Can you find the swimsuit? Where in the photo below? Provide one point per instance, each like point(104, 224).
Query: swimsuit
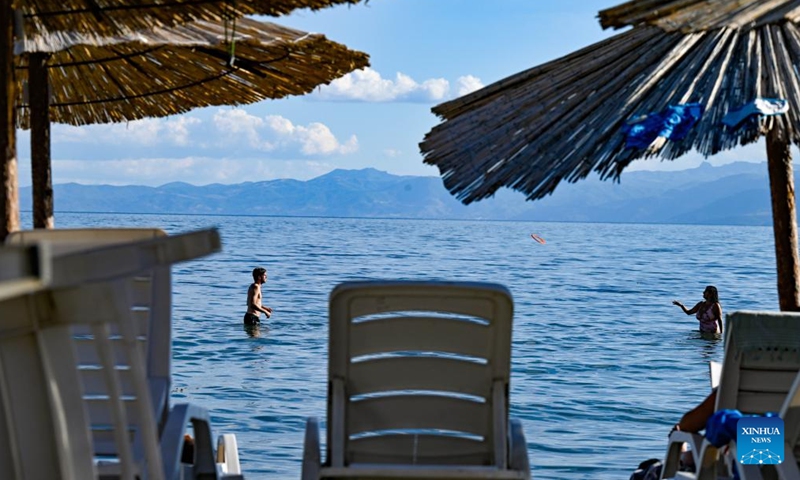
point(708, 324)
point(250, 319)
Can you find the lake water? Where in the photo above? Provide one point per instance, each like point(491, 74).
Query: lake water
point(603, 363)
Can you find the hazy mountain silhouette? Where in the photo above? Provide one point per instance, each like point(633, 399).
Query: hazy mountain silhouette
point(734, 194)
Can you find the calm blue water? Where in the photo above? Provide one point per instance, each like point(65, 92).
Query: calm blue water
point(603, 364)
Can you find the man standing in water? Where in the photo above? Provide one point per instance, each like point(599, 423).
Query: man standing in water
point(254, 308)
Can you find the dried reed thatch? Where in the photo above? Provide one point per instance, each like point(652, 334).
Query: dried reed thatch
point(563, 119)
point(111, 17)
point(172, 70)
point(697, 15)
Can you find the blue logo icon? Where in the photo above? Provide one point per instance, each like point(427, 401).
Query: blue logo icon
point(759, 440)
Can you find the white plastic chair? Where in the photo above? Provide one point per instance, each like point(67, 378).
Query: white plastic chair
point(714, 373)
point(418, 381)
point(788, 469)
point(790, 413)
point(113, 390)
point(152, 292)
point(762, 360)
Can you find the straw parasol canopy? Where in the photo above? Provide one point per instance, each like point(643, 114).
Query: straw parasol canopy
point(171, 70)
point(111, 17)
point(699, 15)
point(161, 72)
point(98, 18)
point(571, 116)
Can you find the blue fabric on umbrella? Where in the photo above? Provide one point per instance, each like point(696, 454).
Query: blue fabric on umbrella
point(673, 123)
point(759, 106)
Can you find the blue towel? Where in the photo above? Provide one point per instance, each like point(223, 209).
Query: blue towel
point(721, 427)
point(673, 123)
point(759, 106)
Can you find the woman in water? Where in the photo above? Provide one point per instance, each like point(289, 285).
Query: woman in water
point(709, 311)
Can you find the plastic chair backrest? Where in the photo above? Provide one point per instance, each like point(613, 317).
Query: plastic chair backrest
point(45, 429)
point(762, 359)
point(151, 306)
point(419, 373)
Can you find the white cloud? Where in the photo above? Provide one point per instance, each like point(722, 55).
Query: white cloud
point(280, 125)
point(178, 130)
point(275, 132)
point(144, 132)
point(147, 132)
point(368, 85)
point(437, 88)
point(392, 152)
point(468, 84)
point(236, 122)
point(230, 130)
point(317, 139)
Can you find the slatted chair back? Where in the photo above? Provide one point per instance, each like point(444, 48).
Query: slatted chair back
point(46, 432)
point(762, 359)
point(790, 413)
point(147, 335)
point(419, 373)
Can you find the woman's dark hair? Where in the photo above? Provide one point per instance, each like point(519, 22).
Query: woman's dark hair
point(712, 293)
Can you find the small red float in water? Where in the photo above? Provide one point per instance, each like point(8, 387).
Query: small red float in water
point(537, 238)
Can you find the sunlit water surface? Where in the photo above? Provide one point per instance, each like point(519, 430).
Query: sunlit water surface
point(602, 362)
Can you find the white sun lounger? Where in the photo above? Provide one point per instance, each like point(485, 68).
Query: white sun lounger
point(92, 286)
point(418, 381)
point(151, 309)
point(762, 360)
point(790, 412)
point(788, 469)
point(714, 373)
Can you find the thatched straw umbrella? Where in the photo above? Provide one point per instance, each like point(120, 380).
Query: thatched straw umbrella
point(161, 72)
point(103, 18)
point(113, 17)
point(566, 118)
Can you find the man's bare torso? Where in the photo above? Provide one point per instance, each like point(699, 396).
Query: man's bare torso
point(254, 298)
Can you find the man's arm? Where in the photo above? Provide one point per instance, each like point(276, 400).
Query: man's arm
point(267, 311)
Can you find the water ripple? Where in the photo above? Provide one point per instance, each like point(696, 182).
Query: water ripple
point(602, 362)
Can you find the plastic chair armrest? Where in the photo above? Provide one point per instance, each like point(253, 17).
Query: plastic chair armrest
point(311, 450)
point(672, 459)
point(518, 448)
point(228, 454)
point(172, 441)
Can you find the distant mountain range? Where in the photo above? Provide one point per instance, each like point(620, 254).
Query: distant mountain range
point(733, 194)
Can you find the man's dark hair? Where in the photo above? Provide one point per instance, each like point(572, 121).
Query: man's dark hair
point(257, 272)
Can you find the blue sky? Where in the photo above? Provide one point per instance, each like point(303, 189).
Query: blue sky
point(422, 52)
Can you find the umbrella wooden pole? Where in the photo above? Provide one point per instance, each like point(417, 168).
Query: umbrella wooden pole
point(784, 220)
point(41, 173)
point(9, 196)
